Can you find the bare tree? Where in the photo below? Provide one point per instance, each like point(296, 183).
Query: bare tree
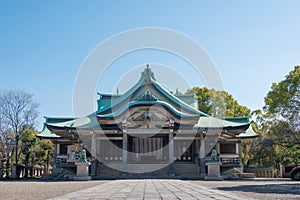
point(6, 151)
point(17, 111)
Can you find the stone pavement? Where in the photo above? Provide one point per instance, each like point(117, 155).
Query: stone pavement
point(150, 189)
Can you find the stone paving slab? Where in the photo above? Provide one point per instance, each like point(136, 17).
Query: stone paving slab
point(150, 189)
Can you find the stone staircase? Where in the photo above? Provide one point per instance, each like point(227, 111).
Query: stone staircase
point(59, 174)
point(186, 170)
point(105, 171)
point(134, 170)
point(237, 173)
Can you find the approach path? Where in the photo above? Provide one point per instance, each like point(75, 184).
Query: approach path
point(150, 189)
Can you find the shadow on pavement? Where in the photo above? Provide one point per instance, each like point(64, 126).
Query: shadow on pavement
point(293, 189)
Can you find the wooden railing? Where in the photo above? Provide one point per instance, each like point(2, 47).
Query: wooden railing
point(228, 160)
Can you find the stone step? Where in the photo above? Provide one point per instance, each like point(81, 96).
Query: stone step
point(183, 169)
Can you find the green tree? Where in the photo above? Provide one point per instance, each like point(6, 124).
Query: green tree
point(218, 103)
point(44, 153)
point(279, 125)
point(250, 147)
point(28, 141)
point(282, 107)
point(283, 101)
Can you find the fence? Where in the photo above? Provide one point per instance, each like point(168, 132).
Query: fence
point(18, 171)
point(262, 172)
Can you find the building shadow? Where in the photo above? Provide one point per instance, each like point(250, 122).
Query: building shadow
point(293, 189)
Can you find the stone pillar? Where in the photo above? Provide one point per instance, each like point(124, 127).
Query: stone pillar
point(124, 148)
point(14, 172)
point(213, 171)
point(171, 148)
point(281, 175)
point(82, 173)
point(202, 156)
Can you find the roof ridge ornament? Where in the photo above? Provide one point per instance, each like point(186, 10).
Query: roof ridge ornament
point(148, 75)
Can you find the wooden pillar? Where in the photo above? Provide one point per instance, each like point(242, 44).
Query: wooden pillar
point(55, 153)
point(93, 145)
point(124, 148)
point(218, 147)
point(171, 148)
point(202, 155)
point(239, 152)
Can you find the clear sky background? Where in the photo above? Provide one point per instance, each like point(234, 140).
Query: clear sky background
point(43, 44)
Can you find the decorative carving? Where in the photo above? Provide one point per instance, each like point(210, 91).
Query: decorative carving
point(147, 97)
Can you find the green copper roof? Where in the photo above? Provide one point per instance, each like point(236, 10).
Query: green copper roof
point(147, 83)
point(205, 123)
point(58, 119)
point(46, 133)
point(136, 103)
point(177, 101)
point(238, 119)
point(212, 122)
point(249, 133)
point(105, 99)
point(88, 122)
point(187, 98)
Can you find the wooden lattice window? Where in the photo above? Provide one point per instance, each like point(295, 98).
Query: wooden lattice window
point(229, 148)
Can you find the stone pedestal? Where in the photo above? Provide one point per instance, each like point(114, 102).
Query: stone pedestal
point(82, 171)
point(213, 171)
point(14, 172)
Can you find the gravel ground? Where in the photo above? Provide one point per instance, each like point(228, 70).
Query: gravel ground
point(258, 188)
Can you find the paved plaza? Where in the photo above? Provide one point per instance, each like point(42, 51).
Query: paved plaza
point(150, 189)
point(258, 188)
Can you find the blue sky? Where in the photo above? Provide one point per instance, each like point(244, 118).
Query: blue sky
point(43, 43)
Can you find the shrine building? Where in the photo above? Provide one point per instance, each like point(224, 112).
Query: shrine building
point(147, 131)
